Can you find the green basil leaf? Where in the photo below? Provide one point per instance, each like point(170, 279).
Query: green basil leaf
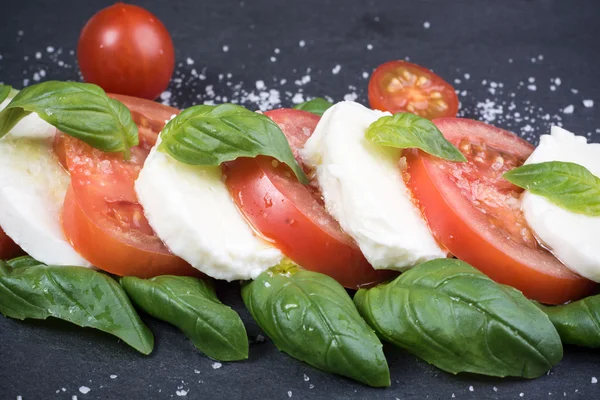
point(568, 185)
point(454, 317)
point(81, 110)
point(311, 317)
point(5, 91)
point(578, 322)
point(23, 261)
point(192, 305)
point(316, 106)
point(211, 135)
point(406, 131)
point(79, 295)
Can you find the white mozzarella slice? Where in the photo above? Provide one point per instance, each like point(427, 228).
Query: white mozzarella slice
point(572, 238)
point(32, 126)
point(363, 189)
point(32, 190)
point(191, 211)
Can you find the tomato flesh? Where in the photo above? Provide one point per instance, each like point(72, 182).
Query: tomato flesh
point(8, 248)
point(476, 215)
point(400, 86)
point(292, 215)
point(102, 217)
point(126, 49)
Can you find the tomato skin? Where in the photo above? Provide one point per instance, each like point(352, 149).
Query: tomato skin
point(8, 248)
point(287, 213)
point(400, 86)
point(101, 215)
point(126, 49)
point(456, 224)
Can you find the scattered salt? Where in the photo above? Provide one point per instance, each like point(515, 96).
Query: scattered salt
point(181, 392)
point(533, 88)
point(189, 61)
point(365, 75)
point(306, 378)
point(50, 49)
point(594, 379)
point(369, 46)
point(225, 48)
point(113, 376)
point(557, 81)
point(471, 389)
point(273, 59)
point(588, 103)
point(276, 51)
point(521, 394)
point(289, 393)
point(426, 25)
point(336, 69)
point(217, 365)
point(495, 389)
point(569, 109)
point(302, 43)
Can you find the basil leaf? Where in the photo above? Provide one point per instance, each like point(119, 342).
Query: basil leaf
point(316, 106)
point(81, 110)
point(454, 317)
point(4, 92)
point(406, 131)
point(211, 135)
point(79, 295)
point(568, 185)
point(578, 322)
point(192, 305)
point(23, 261)
point(311, 317)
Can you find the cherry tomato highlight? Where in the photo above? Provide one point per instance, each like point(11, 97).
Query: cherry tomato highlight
point(126, 49)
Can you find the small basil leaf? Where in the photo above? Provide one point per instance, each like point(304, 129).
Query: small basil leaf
point(23, 261)
point(406, 131)
point(316, 106)
point(5, 91)
point(578, 322)
point(81, 110)
point(211, 135)
point(568, 185)
point(79, 295)
point(192, 305)
point(454, 317)
point(311, 317)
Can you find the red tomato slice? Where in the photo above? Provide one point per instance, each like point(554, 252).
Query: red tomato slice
point(126, 49)
point(400, 86)
point(474, 212)
point(101, 216)
point(8, 248)
point(292, 215)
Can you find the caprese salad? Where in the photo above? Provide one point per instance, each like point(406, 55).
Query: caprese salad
point(301, 204)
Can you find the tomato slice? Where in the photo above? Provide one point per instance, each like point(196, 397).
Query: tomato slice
point(8, 248)
point(400, 86)
point(474, 212)
point(292, 215)
point(102, 217)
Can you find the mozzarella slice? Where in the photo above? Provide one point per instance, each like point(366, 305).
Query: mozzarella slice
point(364, 191)
point(32, 191)
point(191, 211)
point(32, 126)
point(572, 238)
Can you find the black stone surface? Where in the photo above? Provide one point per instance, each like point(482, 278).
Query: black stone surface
point(50, 359)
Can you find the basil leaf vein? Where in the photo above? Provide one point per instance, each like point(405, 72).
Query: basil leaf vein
point(81, 110)
point(192, 305)
point(578, 322)
point(406, 130)
point(211, 135)
point(454, 317)
point(311, 317)
point(317, 106)
point(78, 295)
point(568, 185)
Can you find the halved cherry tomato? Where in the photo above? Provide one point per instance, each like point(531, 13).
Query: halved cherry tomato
point(101, 216)
point(126, 49)
point(8, 248)
point(474, 212)
point(400, 86)
point(292, 215)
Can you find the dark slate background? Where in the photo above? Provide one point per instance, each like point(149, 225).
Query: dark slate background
point(488, 40)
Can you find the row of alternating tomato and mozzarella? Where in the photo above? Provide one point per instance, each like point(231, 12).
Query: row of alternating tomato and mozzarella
point(197, 216)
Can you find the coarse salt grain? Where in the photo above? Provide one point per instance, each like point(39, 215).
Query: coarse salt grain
point(336, 69)
point(426, 25)
point(289, 393)
point(302, 43)
point(181, 392)
point(189, 61)
point(84, 389)
point(365, 75)
point(569, 109)
point(225, 48)
point(588, 103)
point(594, 379)
point(217, 365)
point(369, 46)
point(471, 389)
point(113, 376)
